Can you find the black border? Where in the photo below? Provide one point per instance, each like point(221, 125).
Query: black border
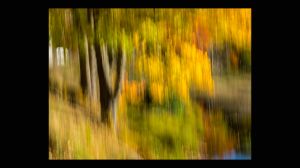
point(37, 32)
point(150, 4)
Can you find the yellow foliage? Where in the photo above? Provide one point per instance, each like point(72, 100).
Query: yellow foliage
point(155, 68)
point(233, 25)
point(136, 40)
point(188, 63)
point(182, 42)
point(198, 68)
point(157, 92)
point(174, 68)
point(183, 90)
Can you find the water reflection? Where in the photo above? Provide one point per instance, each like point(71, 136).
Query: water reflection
point(233, 155)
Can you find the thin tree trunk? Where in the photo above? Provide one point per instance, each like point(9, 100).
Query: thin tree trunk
point(93, 73)
point(54, 58)
point(65, 57)
point(92, 55)
point(114, 110)
point(121, 62)
point(88, 69)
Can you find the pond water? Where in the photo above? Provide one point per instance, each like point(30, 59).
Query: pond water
point(233, 155)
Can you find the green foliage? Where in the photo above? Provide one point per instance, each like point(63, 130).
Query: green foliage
point(169, 136)
point(245, 60)
point(176, 105)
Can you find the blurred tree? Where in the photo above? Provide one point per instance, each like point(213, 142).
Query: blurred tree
point(93, 55)
point(166, 48)
point(109, 91)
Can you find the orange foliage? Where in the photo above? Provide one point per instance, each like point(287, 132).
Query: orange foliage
point(234, 60)
point(135, 91)
point(201, 37)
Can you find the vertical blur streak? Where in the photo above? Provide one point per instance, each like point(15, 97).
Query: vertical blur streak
point(184, 91)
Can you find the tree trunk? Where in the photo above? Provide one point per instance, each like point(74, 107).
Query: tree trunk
point(114, 111)
point(104, 84)
point(66, 53)
point(88, 63)
point(54, 58)
point(108, 94)
point(121, 62)
point(93, 73)
point(82, 64)
point(92, 54)
point(103, 72)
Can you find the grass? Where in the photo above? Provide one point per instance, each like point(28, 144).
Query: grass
point(145, 133)
point(169, 131)
point(72, 135)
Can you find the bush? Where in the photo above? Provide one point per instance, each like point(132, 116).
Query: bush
point(168, 135)
point(245, 61)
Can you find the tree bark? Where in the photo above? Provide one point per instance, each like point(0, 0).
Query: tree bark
point(103, 70)
point(108, 94)
point(88, 67)
point(82, 66)
point(104, 84)
point(93, 73)
point(92, 56)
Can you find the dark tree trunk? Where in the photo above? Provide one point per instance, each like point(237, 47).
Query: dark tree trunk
point(109, 95)
point(82, 64)
point(105, 94)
